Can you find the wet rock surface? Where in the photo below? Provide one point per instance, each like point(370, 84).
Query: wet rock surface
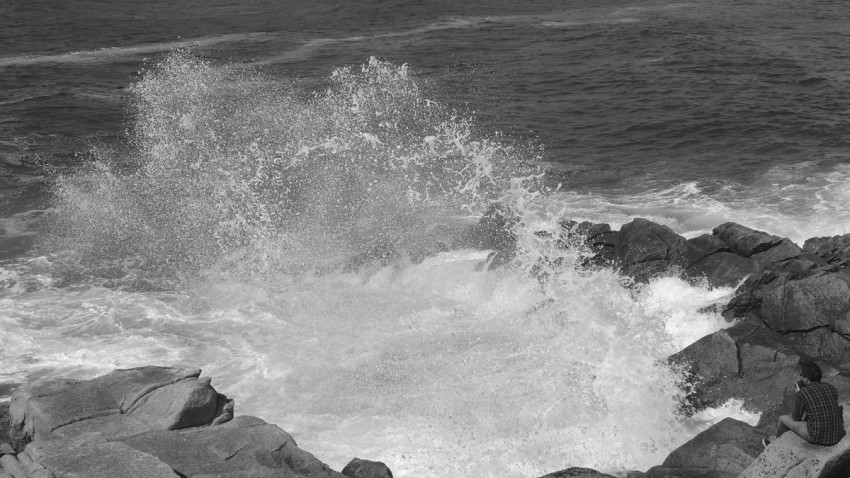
point(722, 451)
point(358, 468)
point(790, 304)
point(149, 422)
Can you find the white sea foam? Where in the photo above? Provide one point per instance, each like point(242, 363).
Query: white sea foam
point(798, 202)
point(120, 53)
point(552, 20)
point(732, 408)
point(20, 224)
point(439, 369)
point(221, 243)
point(309, 47)
point(685, 309)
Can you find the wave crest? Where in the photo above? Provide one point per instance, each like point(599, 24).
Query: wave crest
point(223, 159)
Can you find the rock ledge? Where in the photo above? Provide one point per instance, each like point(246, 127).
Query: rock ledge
point(150, 422)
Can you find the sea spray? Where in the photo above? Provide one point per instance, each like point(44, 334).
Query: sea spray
point(220, 241)
point(223, 159)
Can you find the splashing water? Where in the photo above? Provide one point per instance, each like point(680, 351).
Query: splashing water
point(224, 159)
point(237, 202)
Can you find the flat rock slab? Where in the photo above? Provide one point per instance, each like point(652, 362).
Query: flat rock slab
point(98, 460)
point(121, 403)
point(246, 447)
point(789, 456)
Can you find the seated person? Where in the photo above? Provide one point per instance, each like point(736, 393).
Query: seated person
point(817, 417)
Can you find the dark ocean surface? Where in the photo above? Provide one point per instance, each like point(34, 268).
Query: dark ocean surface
point(181, 182)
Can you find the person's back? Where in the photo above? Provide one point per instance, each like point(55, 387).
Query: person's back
point(817, 417)
point(824, 420)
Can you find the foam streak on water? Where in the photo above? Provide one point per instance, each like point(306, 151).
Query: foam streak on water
point(223, 236)
point(113, 53)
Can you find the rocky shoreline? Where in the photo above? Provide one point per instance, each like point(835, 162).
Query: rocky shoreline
point(792, 303)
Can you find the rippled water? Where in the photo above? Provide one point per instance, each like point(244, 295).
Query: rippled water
point(193, 184)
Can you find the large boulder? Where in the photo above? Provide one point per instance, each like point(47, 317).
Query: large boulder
point(245, 446)
point(715, 263)
point(811, 309)
point(722, 451)
point(122, 403)
point(358, 468)
point(645, 249)
point(153, 422)
point(642, 250)
point(778, 254)
point(576, 472)
point(722, 269)
point(745, 241)
point(745, 361)
point(823, 343)
point(749, 296)
point(821, 300)
point(834, 250)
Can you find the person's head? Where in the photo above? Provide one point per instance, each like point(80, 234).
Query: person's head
point(810, 371)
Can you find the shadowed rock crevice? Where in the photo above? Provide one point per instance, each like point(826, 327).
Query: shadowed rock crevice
point(738, 354)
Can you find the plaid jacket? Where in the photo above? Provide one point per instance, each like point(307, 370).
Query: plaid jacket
point(824, 421)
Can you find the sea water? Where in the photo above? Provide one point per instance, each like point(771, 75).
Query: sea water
point(220, 241)
point(209, 207)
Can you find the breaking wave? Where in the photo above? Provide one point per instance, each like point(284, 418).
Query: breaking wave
point(228, 234)
point(225, 160)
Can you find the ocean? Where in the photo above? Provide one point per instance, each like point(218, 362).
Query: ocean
point(268, 191)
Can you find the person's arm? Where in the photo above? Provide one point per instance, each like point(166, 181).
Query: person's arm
point(799, 407)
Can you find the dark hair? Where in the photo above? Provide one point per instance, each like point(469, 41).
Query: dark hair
point(811, 371)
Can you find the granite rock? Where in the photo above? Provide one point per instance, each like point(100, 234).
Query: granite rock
point(96, 459)
point(122, 403)
point(743, 240)
point(821, 300)
point(645, 249)
point(358, 468)
point(576, 472)
point(153, 422)
point(834, 250)
point(722, 451)
point(745, 361)
point(789, 456)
